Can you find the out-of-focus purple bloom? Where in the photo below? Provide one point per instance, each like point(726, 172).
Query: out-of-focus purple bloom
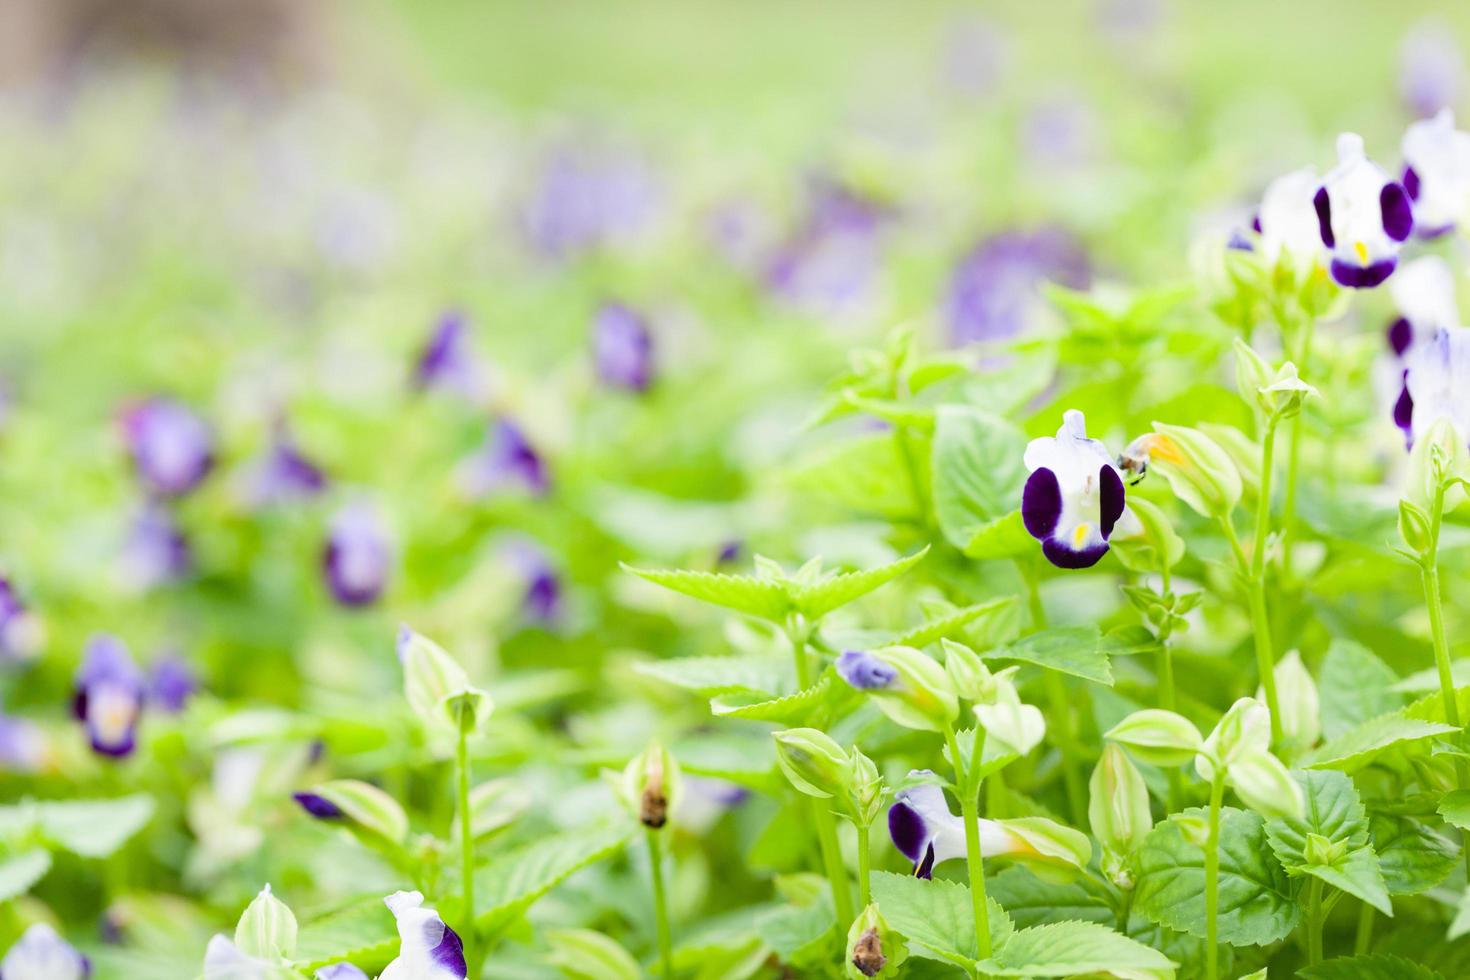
point(172, 448)
point(589, 198)
point(864, 671)
point(22, 745)
point(1061, 132)
point(109, 696)
point(340, 971)
point(1363, 215)
point(427, 948)
point(172, 683)
point(623, 347)
point(976, 53)
point(318, 806)
point(1431, 68)
point(729, 552)
point(156, 551)
point(284, 474)
point(447, 361)
point(1437, 173)
point(830, 267)
point(21, 633)
point(542, 601)
point(358, 556)
point(507, 461)
point(995, 291)
point(41, 954)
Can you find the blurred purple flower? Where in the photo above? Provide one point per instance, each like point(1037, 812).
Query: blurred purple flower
point(995, 291)
point(283, 473)
point(729, 552)
point(542, 601)
point(109, 696)
point(623, 347)
point(1061, 131)
point(448, 362)
point(358, 556)
point(977, 51)
point(588, 198)
point(318, 806)
point(172, 683)
point(1431, 68)
point(830, 267)
point(22, 745)
point(41, 954)
point(156, 551)
point(21, 634)
point(506, 461)
point(172, 448)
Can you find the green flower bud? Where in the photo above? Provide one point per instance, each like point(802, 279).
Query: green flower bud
point(267, 929)
point(1199, 471)
point(1264, 785)
point(1437, 458)
point(1049, 849)
point(1416, 528)
point(1251, 373)
point(362, 806)
point(1159, 737)
point(1244, 731)
point(867, 791)
point(1018, 727)
point(1194, 828)
point(968, 675)
point(1296, 695)
point(1147, 543)
point(1118, 809)
point(920, 695)
point(814, 764)
point(431, 677)
point(873, 949)
point(1323, 851)
point(1244, 451)
point(651, 784)
point(1283, 397)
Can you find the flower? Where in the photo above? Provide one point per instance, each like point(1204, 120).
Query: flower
point(156, 551)
point(447, 361)
point(223, 960)
point(22, 745)
point(172, 683)
point(1074, 496)
point(1437, 173)
point(339, 971)
point(927, 833)
point(1363, 217)
point(358, 556)
point(427, 948)
point(283, 474)
point(623, 347)
point(589, 197)
point(506, 461)
point(1431, 68)
point(41, 954)
point(865, 671)
point(109, 696)
point(543, 600)
point(995, 290)
point(1424, 293)
point(1437, 385)
point(830, 266)
point(1287, 221)
point(172, 448)
point(21, 632)
point(317, 805)
point(909, 686)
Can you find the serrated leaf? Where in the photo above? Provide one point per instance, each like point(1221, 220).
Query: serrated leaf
point(820, 598)
point(1003, 537)
point(513, 882)
point(978, 470)
point(1354, 687)
point(799, 934)
point(865, 474)
point(590, 955)
point(762, 598)
point(936, 916)
point(990, 616)
point(709, 676)
point(362, 933)
point(1332, 810)
point(1363, 743)
point(1454, 807)
point(807, 707)
point(19, 872)
point(1413, 857)
point(1064, 949)
point(1032, 901)
point(94, 828)
point(1075, 650)
point(1357, 873)
point(1256, 906)
point(1373, 967)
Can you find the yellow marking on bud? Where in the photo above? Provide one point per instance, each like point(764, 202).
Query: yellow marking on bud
point(1362, 251)
point(1162, 447)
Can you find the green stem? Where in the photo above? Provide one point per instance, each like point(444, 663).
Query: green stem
point(832, 861)
point(660, 902)
point(1212, 878)
point(1064, 733)
point(1314, 922)
point(968, 808)
point(1125, 910)
point(466, 842)
point(1260, 625)
point(1434, 599)
point(865, 887)
point(1293, 457)
point(799, 655)
point(1364, 941)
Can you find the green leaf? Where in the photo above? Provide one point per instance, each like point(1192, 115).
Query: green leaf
point(18, 872)
point(1332, 810)
point(1461, 923)
point(362, 933)
point(1454, 807)
point(94, 828)
point(1032, 901)
point(1003, 537)
point(1374, 967)
point(1413, 857)
point(800, 934)
point(1354, 687)
point(587, 954)
point(1365, 742)
point(709, 676)
point(1064, 949)
point(1357, 873)
point(821, 700)
point(513, 882)
point(991, 616)
point(763, 598)
point(1256, 904)
point(820, 598)
point(865, 475)
point(936, 916)
point(1076, 650)
point(978, 470)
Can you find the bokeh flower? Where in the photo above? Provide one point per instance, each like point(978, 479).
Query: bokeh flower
point(172, 448)
point(358, 556)
point(110, 690)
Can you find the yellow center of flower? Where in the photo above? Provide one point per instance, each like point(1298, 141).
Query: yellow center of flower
point(1362, 251)
point(1080, 535)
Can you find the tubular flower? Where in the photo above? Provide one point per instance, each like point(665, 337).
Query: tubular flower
point(1437, 385)
point(927, 833)
point(41, 954)
point(283, 473)
point(995, 290)
point(543, 601)
point(622, 346)
point(1363, 217)
point(1437, 173)
point(172, 448)
point(428, 949)
point(1287, 221)
point(1424, 293)
point(358, 556)
point(447, 363)
point(172, 683)
point(1074, 496)
point(156, 551)
point(506, 461)
point(109, 696)
point(21, 632)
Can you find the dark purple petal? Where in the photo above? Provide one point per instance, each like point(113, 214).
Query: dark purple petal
point(623, 347)
point(925, 867)
point(729, 551)
point(542, 601)
point(1041, 503)
point(1256, 223)
point(1110, 486)
point(449, 953)
point(1400, 336)
point(1060, 555)
point(318, 806)
point(1411, 183)
point(909, 832)
point(444, 355)
point(865, 671)
point(1403, 415)
point(1398, 213)
point(172, 448)
point(1362, 276)
point(173, 683)
point(1323, 204)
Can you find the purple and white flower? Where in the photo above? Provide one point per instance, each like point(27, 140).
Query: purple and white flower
point(1431, 68)
point(588, 197)
point(339, 971)
point(156, 551)
point(927, 833)
point(172, 448)
point(1437, 385)
point(1363, 217)
point(41, 954)
point(995, 290)
point(622, 345)
point(223, 960)
point(358, 556)
point(22, 745)
point(109, 696)
point(507, 461)
point(283, 473)
point(1074, 496)
point(830, 267)
point(1287, 221)
point(21, 632)
point(172, 683)
point(448, 363)
point(1437, 173)
point(428, 949)
point(543, 600)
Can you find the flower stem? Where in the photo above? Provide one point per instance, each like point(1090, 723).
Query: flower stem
point(1364, 941)
point(1060, 706)
point(865, 891)
point(1212, 878)
point(660, 902)
point(1433, 598)
point(1314, 922)
point(1260, 624)
point(969, 796)
point(832, 860)
point(466, 835)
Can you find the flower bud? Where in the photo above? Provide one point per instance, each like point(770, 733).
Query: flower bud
point(1018, 727)
point(1158, 737)
point(1251, 374)
point(815, 765)
point(1118, 809)
point(1415, 528)
point(968, 675)
point(267, 929)
point(1321, 850)
point(431, 678)
point(1147, 542)
point(1264, 785)
point(1244, 451)
point(650, 785)
point(873, 949)
point(1199, 471)
point(867, 789)
point(1244, 731)
point(467, 709)
point(1193, 827)
point(1283, 397)
point(1438, 457)
point(361, 805)
point(910, 687)
point(1296, 695)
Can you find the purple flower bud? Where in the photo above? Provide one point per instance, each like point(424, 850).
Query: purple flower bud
point(995, 290)
point(109, 696)
point(507, 461)
point(172, 448)
point(318, 806)
point(172, 683)
point(156, 551)
point(865, 671)
point(283, 474)
point(623, 347)
point(21, 633)
point(358, 556)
